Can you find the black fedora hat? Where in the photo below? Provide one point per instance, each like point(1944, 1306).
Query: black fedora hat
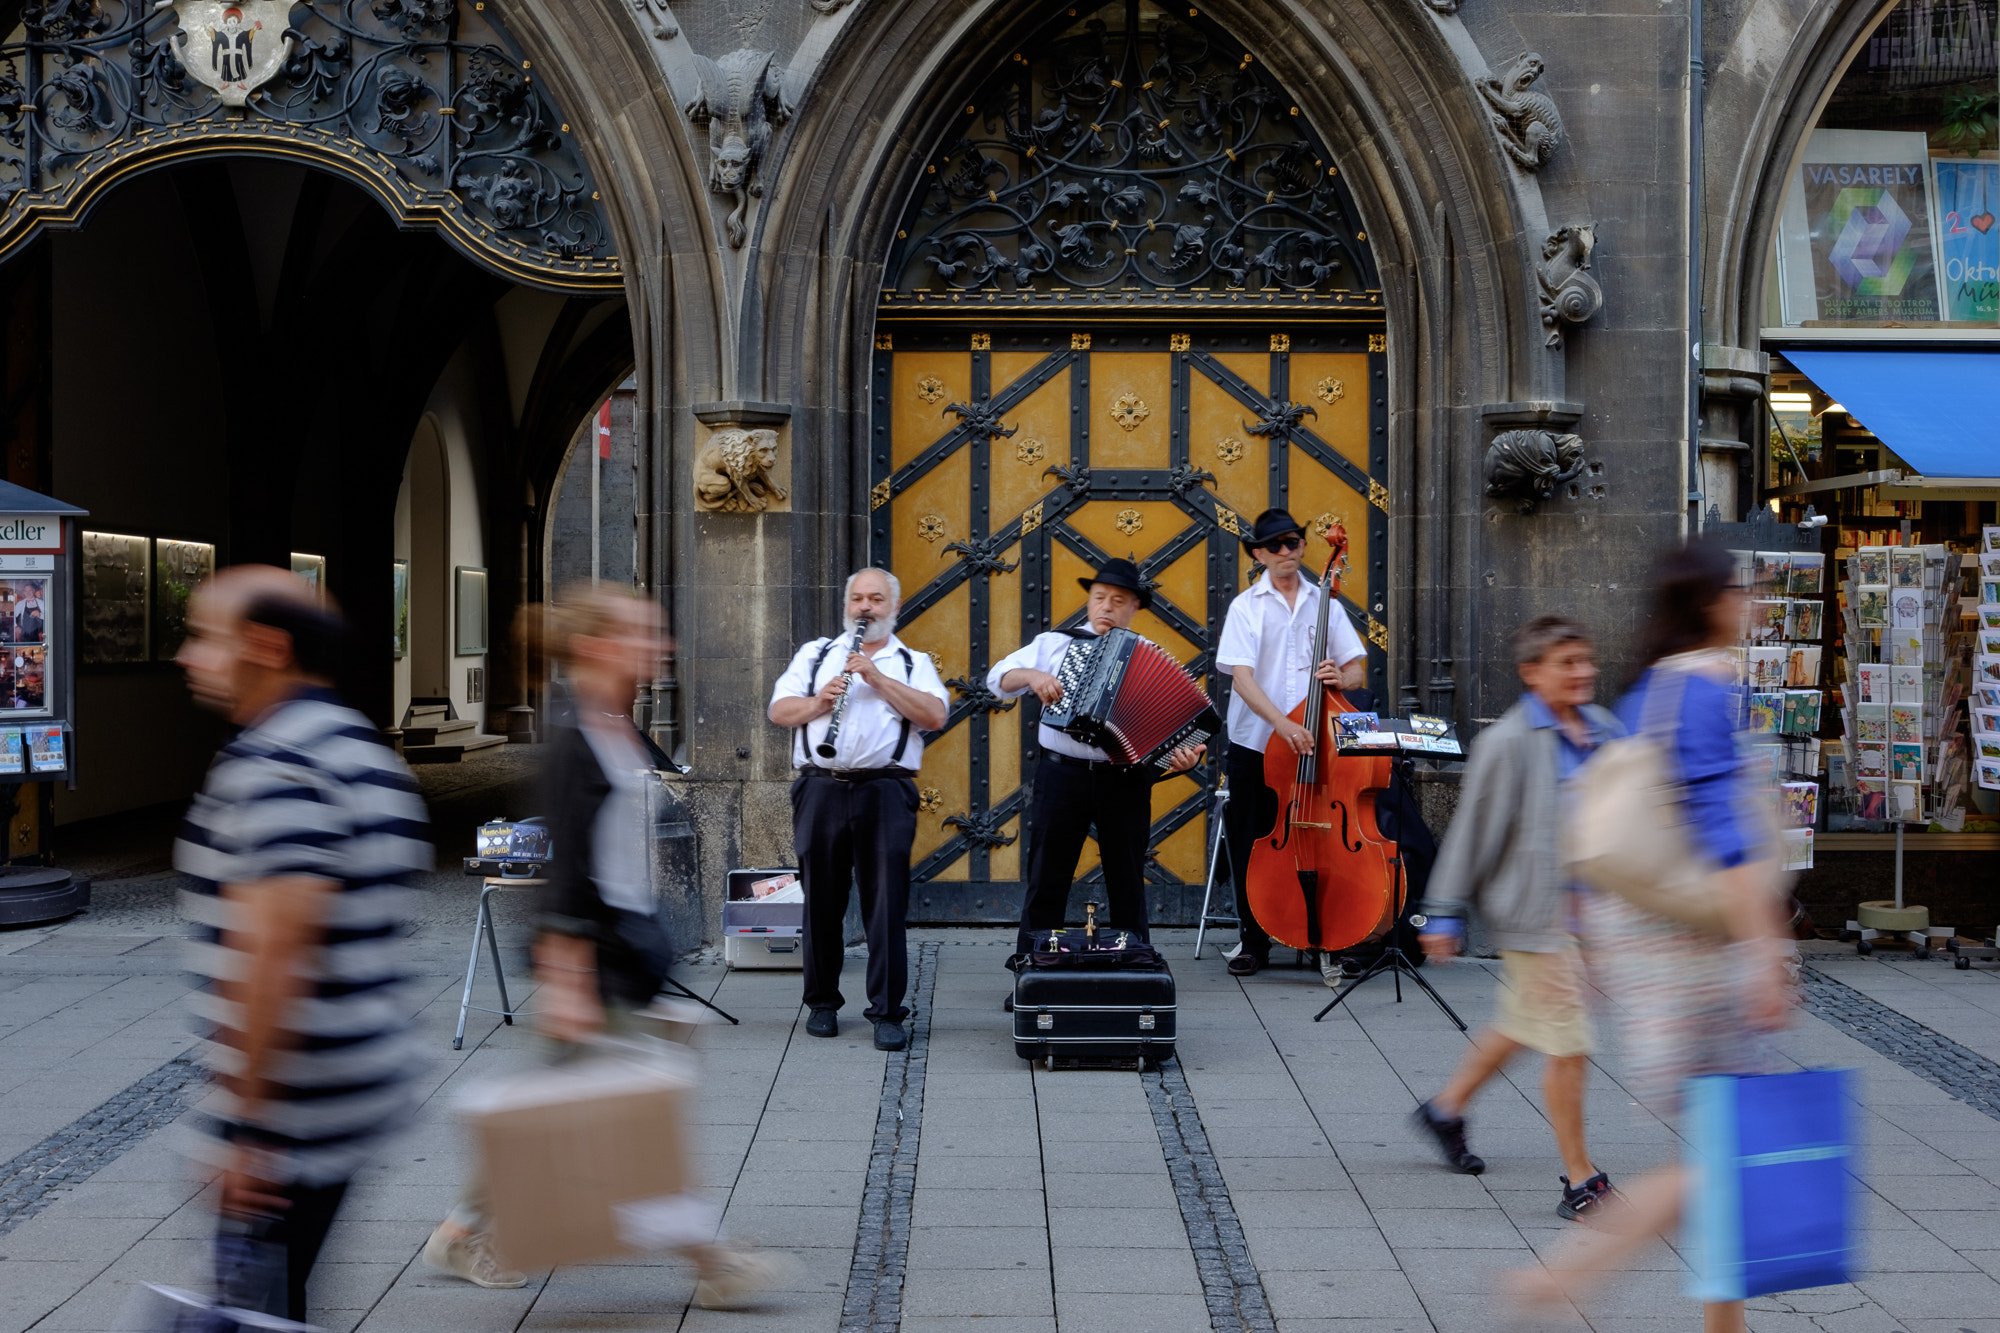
point(1124, 574)
point(1270, 525)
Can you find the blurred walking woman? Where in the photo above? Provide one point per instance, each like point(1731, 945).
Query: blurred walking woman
point(600, 951)
point(1690, 1004)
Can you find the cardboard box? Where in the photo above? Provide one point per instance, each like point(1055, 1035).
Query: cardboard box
point(588, 1158)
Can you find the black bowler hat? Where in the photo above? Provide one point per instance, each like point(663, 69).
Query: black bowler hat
point(1121, 574)
point(1271, 525)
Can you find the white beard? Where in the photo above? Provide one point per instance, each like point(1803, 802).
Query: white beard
point(879, 629)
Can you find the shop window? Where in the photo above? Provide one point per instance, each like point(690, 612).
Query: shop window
point(113, 623)
point(178, 569)
point(1892, 218)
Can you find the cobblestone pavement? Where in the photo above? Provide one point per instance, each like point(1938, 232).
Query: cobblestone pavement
point(1268, 1181)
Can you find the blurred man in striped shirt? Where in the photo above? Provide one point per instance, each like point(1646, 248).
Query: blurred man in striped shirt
point(303, 844)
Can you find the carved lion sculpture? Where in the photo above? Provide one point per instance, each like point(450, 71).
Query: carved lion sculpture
point(732, 474)
point(1526, 121)
point(1528, 465)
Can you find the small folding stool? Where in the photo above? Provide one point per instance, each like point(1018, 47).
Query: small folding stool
point(482, 931)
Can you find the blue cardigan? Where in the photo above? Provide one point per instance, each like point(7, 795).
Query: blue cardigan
point(1705, 747)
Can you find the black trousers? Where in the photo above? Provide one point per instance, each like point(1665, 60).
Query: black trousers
point(299, 1231)
point(845, 831)
point(1068, 800)
point(1253, 810)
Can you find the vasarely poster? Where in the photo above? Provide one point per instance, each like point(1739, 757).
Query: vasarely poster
point(1856, 242)
point(1968, 197)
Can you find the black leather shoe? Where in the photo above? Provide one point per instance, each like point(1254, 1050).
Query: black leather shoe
point(890, 1036)
point(1007, 1005)
point(1245, 964)
point(823, 1023)
point(1450, 1136)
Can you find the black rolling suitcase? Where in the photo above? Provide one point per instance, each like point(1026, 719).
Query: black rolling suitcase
point(1102, 1001)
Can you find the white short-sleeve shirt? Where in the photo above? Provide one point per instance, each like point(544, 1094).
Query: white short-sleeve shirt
point(1275, 642)
point(870, 729)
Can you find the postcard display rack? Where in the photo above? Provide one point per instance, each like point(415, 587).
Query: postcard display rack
point(1781, 658)
point(38, 544)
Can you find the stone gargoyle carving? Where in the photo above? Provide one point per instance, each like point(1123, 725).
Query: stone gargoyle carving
point(1526, 121)
point(742, 100)
point(1569, 294)
point(733, 473)
point(1527, 465)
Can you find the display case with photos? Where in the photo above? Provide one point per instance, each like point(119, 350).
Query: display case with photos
point(27, 587)
point(179, 567)
point(113, 599)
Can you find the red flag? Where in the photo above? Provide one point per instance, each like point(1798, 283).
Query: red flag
point(604, 429)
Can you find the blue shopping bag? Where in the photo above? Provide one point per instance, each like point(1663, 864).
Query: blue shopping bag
point(1771, 1203)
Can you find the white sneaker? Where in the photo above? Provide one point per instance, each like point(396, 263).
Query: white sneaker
point(471, 1257)
point(739, 1277)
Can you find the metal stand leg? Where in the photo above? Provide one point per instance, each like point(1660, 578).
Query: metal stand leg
point(471, 970)
point(681, 990)
point(1217, 805)
point(499, 972)
point(1396, 963)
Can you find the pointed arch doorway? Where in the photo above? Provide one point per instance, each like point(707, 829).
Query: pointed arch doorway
point(1131, 305)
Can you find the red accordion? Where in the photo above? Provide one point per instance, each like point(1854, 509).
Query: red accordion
point(1129, 698)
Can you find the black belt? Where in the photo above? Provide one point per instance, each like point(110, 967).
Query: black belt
point(1074, 762)
point(855, 774)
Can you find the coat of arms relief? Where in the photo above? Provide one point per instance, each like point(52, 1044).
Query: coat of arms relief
point(234, 47)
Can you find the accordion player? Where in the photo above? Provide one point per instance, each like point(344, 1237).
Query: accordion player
point(1119, 742)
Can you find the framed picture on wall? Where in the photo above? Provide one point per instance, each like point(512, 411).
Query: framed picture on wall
point(178, 569)
point(399, 609)
point(311, 568)
point(469, 602)
point(113, 598)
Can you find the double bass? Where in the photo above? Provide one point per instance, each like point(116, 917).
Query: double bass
point(1324, 877)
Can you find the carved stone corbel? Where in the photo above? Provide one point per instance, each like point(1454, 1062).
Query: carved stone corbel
point(1526, 466)
point(742, 101)
point(1526, 121)
point(658, 18)
point(741, 468)
point(1569, 294)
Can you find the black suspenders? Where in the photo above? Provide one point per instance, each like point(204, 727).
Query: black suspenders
point(909, 678)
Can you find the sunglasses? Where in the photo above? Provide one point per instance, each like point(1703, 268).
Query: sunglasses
point(1281, 545)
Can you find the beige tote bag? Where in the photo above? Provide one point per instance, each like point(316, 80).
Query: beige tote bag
point(1627, 831)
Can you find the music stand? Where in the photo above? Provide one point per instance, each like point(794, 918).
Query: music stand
point(1218, 803)
point(1393, 960)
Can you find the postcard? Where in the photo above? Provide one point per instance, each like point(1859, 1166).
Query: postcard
point(1745, 567)
point(1991, 533)
point(1988, 747)
point(1871, 682)
point(1906, 723)
point(1986, 669)
point(1767, 714)
point(1802, 667)
point(1795, 850)
point(1906, 801)
point(45, 750)
point(1903, 649)
point(1988, 642)
point(1989, 615)
point(1808, 572)
point(1808, 620)
point(1871, 761)
point(1871, 722)
point(1770, 572)
point(1871, 798)
point(1801, 712)
point(12, 751)
point(1986, 721)
point(1906, 763)
point(1906, 568)
point(1353, 724)
point(1768, 666)
point(1989, 775)
point(1906, 684)
point(1871, 605)
point(1986, 696)
point(1906, 610)
point(1429, 726)
point(1801, 803)
point(1767, 620)
point(1989, 566)
point(1870, 564)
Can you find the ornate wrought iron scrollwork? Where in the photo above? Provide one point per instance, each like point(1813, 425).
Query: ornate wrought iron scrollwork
point(426, 103)
point(1187, 477)
point(1133, 153)
point(981, 830)
point(973, 694)
point(1076, 478)
point(985, 557)
point(1277, 419)
point(982, 418)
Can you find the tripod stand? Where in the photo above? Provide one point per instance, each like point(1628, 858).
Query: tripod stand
point(1217, 845)
point(683, 991)
point(1393, 960)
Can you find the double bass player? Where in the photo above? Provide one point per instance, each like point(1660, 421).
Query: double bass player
point(1266, 648)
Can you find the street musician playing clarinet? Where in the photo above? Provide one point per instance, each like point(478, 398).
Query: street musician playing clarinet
point(859, 705)
point(1078, 786)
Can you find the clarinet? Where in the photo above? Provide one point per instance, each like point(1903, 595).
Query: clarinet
point(826, 744)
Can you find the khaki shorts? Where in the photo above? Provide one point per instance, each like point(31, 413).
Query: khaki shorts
point(1541, 1001)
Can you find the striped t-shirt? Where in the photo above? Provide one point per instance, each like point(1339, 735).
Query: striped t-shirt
point(309, 789)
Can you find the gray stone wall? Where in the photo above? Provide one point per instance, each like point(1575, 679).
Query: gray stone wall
point(569, 528)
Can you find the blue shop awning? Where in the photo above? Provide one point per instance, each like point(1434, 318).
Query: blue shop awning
point(1937, 411)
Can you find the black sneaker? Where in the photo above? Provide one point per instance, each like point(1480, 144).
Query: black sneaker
point(1247, 964)
point(823, 1023)
point(1450, 1136)
point(890, 1036)
point(1591, 1203)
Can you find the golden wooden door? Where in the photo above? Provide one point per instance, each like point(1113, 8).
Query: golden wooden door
point(1007, 466)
